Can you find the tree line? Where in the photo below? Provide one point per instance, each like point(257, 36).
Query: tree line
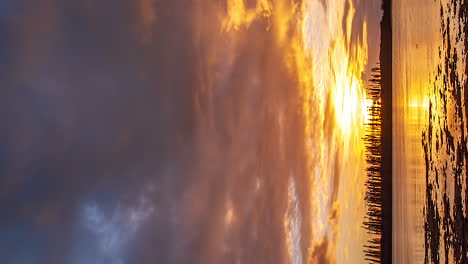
point(373, 145)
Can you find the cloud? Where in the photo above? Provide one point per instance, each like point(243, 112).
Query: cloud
point(324, 250)
point(102, 99)
point(334, 219)
point(321, 253)
point(147, 15)
point(113, 232)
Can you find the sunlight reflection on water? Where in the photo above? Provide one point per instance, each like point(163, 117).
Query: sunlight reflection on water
point(415, 42)
point(424, 91)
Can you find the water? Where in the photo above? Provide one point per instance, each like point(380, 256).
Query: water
point(415, 35)
point(420, 98)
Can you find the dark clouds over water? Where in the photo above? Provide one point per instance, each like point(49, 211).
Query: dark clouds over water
point(138, 132)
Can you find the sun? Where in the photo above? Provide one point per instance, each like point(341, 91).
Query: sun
point(366, 114)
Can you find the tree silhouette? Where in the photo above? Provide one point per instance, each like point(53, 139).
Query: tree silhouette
point(373, 144)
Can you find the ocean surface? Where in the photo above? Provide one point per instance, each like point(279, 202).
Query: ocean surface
point(429, 131)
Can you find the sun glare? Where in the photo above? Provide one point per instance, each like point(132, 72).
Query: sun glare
point(328, 60)
point(366, 115)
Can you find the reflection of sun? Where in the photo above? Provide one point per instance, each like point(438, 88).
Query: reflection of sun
point(424, 104)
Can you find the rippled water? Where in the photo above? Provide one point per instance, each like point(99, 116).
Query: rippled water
point(428, 128)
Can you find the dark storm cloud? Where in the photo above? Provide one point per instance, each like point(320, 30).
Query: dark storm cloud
point(130, 128)
point(90, 111)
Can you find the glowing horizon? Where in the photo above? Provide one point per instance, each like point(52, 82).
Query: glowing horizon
point(329, 67)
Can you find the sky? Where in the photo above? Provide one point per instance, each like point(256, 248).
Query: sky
point(183, 131)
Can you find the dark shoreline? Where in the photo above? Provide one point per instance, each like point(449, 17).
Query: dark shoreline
point(386, 170)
